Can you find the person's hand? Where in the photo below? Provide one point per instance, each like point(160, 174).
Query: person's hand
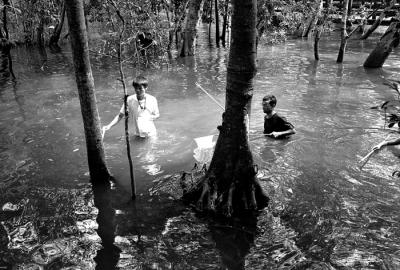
point(379, 146)
point(103, 130)
point(273, 134)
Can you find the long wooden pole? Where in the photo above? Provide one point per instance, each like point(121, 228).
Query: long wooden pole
point(122, 79)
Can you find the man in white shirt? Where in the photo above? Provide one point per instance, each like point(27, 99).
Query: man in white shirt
point(142, 108)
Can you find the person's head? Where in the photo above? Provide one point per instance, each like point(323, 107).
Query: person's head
point(140, 84)
point(268, 103)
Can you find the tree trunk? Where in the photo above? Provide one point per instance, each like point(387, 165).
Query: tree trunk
point(388, 41)
point(350, 8)
point(55, 37)
point(84, 80)
point(343, 33)
point(190, 31)
point(224, 24)
point(308, 25)
point(216, 23)
point(230, 187)
point(378, 21)
point(6, 43)
point(319, 27)
point(210, 22)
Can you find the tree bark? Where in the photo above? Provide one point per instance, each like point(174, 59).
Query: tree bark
point(84, 80)
point(387, 42)
point(190, 31)
point(229, 186)
point(55, 37)
point(378, 21)
point(343, 33)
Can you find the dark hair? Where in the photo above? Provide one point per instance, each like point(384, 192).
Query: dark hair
point(271, 98)
point(139, 80)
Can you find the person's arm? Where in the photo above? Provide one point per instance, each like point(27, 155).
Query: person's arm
point(113, 122)
point(282, 124)
point(155, 113)
point(277, 134)
point(386, 143)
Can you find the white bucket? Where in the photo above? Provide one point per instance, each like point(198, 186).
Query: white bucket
point(205, 149)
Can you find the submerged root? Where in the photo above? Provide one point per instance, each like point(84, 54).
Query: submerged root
point(228, 209)
point(206, 189)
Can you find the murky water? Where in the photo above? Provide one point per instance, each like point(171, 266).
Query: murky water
point(325, 212)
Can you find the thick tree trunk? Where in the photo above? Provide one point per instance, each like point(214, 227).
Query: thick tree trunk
point(84, 80)
point(388, 41)
point(216, 23)
point(190, 31)
point(378, 21)
point(343, 33)
point(55, 37)
point(230, 185)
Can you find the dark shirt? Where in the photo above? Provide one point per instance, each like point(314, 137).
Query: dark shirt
point(276, 123)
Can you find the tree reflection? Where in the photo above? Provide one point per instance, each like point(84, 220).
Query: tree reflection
point(233, 241)
point(107, 257)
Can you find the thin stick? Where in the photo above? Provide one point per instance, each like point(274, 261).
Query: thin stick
point(365, 159)
point(213, 99)
point(122, 79)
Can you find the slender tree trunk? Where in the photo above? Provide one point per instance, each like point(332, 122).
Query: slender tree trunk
point(190, 31)
point(210, 22)
point(5, 21)
point(225, 23)
point(7, 45)
point(55, 37)
point(84, 80)
point(126, 109)
point(350, 8)
point(230, 187)
point(343, 33)
point(216, 23)
point(378, 21)
point(387, 42)
point(319, 27)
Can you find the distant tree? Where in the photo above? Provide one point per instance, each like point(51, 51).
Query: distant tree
point(343, 33)
point(55, 37)
point(319, 26)
point(189, 32)
point(230, 186)
point(5, 43)
point(84, 80)
point(216, 12)
point(387, 42)
point(378, 21)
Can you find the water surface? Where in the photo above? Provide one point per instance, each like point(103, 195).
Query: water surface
point(324, 210)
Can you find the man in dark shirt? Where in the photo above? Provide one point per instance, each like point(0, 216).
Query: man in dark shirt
point(275, 126)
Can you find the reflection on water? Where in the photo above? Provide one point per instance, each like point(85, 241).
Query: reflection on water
point(324, 211)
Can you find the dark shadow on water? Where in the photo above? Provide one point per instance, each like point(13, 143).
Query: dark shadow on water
point(107, 257)
point(233, 240)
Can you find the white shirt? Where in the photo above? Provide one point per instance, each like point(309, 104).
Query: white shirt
point(143, 113)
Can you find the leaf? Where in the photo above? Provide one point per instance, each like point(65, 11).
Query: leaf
point(391, 125)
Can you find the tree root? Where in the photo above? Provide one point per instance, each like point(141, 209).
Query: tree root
point(228, 209)
point(206, 189)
